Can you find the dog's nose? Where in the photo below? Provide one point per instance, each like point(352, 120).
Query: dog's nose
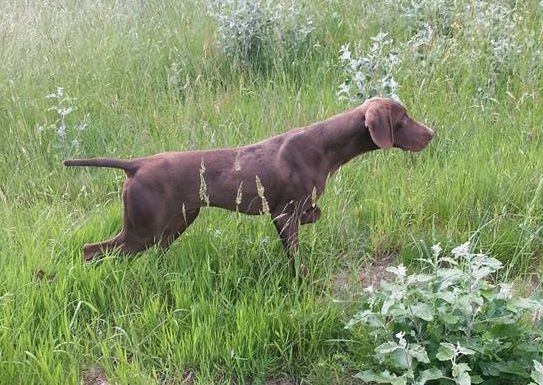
point(430, 132)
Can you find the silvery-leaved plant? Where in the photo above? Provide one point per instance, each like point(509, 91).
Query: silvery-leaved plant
point(477, 29)
point(451, 325)
point(63, 107)
point(248, 30)
point(372, 74)
point(437, 13)
point(422, 38)
point(60, 134)
point(500, 24)
point(537, 374)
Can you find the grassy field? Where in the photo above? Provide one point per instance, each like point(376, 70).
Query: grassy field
point(130, 78)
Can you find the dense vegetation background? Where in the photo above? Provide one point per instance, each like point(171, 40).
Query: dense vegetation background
point(130, 78)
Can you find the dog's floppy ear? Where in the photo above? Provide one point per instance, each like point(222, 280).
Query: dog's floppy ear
point(379, 122)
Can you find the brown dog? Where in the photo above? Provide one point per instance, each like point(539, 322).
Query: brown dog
point(282, 176)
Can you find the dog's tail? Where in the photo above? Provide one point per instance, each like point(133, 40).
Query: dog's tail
point(128, 165)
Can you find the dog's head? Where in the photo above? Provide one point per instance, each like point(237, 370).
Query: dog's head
point(390, 126)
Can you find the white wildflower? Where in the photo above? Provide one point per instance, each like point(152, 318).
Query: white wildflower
point(61, 131)
point(436, 249)
point(399, 271)
point(462, 250)
point(64, 111)
point(345, 53)
point(505, 292)
point(401, 340)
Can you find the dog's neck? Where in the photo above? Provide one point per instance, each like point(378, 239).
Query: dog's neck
point(343, 137)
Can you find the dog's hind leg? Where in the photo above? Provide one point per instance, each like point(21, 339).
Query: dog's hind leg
point(93, 250)
point(144, 221)
point(177, 226)
point(125, 244)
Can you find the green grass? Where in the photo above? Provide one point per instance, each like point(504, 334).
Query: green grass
point(221, 302)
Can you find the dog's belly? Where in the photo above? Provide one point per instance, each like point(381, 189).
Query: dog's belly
point(249, 209)
point(245, 196)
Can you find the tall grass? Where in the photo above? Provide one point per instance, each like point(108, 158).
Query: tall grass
point(221, 306)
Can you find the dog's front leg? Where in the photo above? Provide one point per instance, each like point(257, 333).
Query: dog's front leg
point(310, 215)
point(287, 225)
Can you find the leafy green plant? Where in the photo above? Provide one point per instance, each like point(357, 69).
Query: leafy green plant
point(372, 74)
point(250, 30)
point(451, 324)
point(62, 138)
point(537, 374)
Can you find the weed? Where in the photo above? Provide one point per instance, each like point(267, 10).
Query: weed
point(451, 323)
point(372, 74)
point(252, 31)
point(60, 136)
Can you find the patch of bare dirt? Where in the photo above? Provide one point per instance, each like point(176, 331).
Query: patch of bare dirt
point(371, 274)
point(94, 376)
point(529, 285)
point(281, 381)
point(346, 284)
point(40, 275)
point(535, 283)
point(189, 377)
